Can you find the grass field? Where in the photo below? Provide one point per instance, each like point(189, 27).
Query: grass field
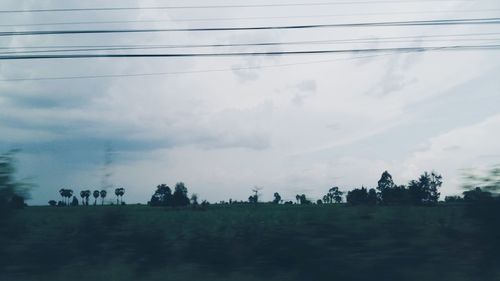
point(246, 242)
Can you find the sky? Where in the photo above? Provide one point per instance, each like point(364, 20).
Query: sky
point(223, 125)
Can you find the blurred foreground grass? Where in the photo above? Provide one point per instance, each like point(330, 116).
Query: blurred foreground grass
point(265, 242)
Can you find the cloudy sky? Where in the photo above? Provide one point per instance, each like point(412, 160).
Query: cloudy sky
point(289, 124)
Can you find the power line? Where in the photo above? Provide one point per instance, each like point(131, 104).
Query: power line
point(327, 41)
point(477, 21)
point(153, 47)
point(272, 53)
point(192, 71)
point(248, 18)
point(224, 6)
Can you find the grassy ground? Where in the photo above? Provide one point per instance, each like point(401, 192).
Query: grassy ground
point(265, 242)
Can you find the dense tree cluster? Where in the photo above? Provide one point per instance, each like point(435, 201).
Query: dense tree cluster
point(163, 196)
point(423, 191)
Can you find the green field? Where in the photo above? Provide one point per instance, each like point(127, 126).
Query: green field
point(246, 242)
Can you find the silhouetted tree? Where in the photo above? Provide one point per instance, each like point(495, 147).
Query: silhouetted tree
point(372, 197)
point(253, 199)
point(319, 202)
point(83, 195)
point(424, 191)
point(96, 195)
point(66, 194)
point(304, 200)
point(357, 196)
point(62, 192)
point(477, 195)
point(453, 199)
point(277, 198)
point(297, 197)
point(119, 192)
point(397, 195)
point(194, 199)
point(162, 196)
point(74, 202)
point(12, 192)
point(385, 182)
point(87, 196)
point(52, 203)
point(180, 196)
point(103, 194)
point(335, 194)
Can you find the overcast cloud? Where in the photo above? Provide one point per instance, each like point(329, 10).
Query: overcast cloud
point(296, 124)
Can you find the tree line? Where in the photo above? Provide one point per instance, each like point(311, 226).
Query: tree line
point(67, 194)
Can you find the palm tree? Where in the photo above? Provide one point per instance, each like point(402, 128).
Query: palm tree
point(83, 194)
point(96, 195)
point(87, 195)
point(62, 192)
point(117, 193)
point(69, 194)
point(297, 197)
point(103, 194)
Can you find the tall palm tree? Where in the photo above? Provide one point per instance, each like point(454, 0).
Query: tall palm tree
point(96, 195)
point(69, 194)
point(83, 194)
point(62, 192)
point(87, 195)
point(117, 193)
point(103, 194)
point(121, 193)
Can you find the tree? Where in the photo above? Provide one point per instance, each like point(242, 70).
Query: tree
point(297, 197)
point(162, 196)
point(357, 196)
point(103, 194)
point(119, 192)
point(83, 194)
point(385, 182)
point(194, 199)
point(335, 195)
point(96, 195)
point(74, 202)
point(303, 200)
point(390, 193)
point(372, 197)
point(277, 198)
point(253, 199)
point(66, 194)
point(477, 195)
point(87, 196)
point(397, 195)
point(12, 192)
point(62, 192)
point(180, 196)
point(69, 194)
point(424, 191)
point(53, 203)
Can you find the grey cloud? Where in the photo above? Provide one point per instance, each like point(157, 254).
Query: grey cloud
point(304, 89)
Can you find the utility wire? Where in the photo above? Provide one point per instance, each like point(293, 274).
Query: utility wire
point(225, 6)
point(232, 54)
point(191, 71)
point(249, 18)
point(347, 40)
point(160, 47)
point(474, 21)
